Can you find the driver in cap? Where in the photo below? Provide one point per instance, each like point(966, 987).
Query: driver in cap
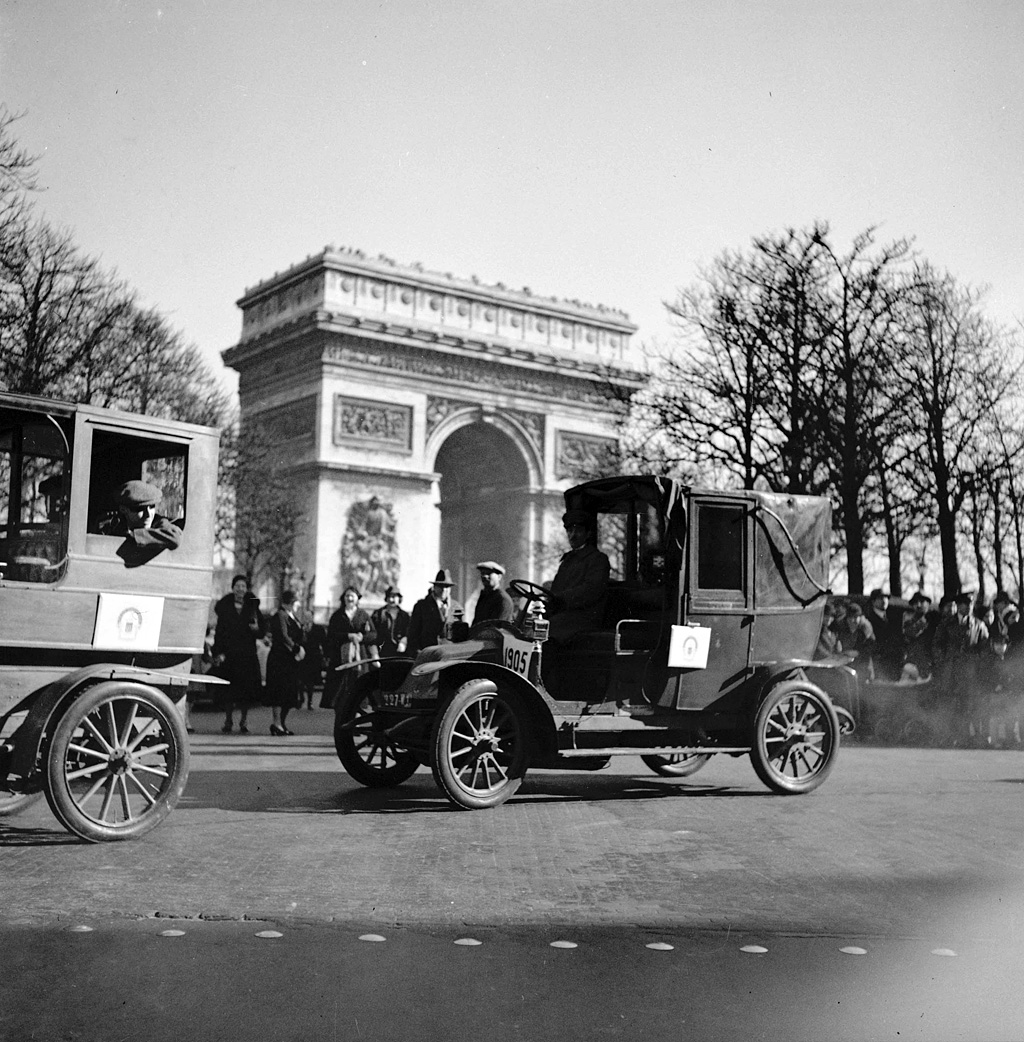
point(580, 587)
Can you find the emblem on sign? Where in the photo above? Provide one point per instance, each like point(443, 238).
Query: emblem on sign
point(129, 624)
point(128, 621)
point(688, 648)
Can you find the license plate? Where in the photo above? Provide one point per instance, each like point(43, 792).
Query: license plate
point(395, 699)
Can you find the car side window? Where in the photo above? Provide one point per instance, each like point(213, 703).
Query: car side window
point(118, 458)
point(721, 547)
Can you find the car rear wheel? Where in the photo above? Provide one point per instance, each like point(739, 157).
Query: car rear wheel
point(796, 736)
point(363, 744)
point(480, 746)
point(676, 765)
point(117, 763)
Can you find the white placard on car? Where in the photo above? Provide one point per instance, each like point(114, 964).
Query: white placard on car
point(688, 648)
point(128, 622)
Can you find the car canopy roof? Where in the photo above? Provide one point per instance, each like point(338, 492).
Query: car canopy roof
point(791, 533)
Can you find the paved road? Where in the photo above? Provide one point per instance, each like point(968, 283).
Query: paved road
point(904, 856)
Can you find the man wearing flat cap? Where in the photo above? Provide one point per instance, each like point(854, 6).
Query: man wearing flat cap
point(146, 532)
point(494, 604)
point(580, 586)
point(432, 615)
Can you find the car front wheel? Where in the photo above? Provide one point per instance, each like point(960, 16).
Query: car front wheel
point(361, 739)
point(480, 746)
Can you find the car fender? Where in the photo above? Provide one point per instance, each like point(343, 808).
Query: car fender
point(47, 704)
point(789, 669)
point(542, 724)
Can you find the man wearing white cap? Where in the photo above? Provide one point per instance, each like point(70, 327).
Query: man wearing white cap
point(494, 604)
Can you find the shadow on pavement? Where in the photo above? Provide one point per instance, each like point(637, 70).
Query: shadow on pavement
point(336, 793)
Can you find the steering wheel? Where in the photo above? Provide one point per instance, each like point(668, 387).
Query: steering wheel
point(530, 592)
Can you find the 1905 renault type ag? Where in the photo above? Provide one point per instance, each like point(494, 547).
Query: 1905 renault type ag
point(98, 625)
point(712, 613)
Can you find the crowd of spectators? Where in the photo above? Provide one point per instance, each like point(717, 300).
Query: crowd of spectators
point(967, 654)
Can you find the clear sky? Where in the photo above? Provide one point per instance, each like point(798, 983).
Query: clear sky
point(587, 149)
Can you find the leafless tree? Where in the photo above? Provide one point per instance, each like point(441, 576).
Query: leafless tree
point(958, 376)
point(258, 513)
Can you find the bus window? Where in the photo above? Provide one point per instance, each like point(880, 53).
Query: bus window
point(118, 458)
point(33, 497)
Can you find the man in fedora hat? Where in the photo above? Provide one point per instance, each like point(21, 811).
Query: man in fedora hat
point(494, 604)
point(580, 586)
point(432, 615)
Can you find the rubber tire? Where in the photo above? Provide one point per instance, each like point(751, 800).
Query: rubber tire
point(804, 697)
point(667, 766)
point(397, 764)
point(472, 703)
point(67, 809)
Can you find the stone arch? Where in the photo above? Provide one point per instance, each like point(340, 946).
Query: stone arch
point(485, 503)
point(515, 431)
point(379, 377)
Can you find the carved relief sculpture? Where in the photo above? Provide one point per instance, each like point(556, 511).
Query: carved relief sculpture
point(369, 548)
point(367, 422)
point(585, 456)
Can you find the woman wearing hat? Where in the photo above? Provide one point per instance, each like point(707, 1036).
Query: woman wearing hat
point(391, 624)
point(350, 638)
point(432, 615)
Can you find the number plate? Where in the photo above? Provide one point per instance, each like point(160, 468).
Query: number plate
point(396, 699)
point(517, 654)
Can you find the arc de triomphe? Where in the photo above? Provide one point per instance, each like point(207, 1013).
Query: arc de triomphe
point(426, 420)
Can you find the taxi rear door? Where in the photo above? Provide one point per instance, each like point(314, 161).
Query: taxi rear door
point(718, 594)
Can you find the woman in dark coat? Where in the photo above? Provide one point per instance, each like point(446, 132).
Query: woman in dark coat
point(350, 638)
point(391, 624)
point(284, 674)
point(314, 640)
point(239, 626)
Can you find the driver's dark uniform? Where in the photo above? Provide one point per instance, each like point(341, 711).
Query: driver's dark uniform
point(578, 592)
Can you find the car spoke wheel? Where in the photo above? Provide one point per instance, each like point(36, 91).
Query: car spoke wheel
point(676, 765)
point(117, 762)
point(363, 744)
point(796, 736)
point(479, 746)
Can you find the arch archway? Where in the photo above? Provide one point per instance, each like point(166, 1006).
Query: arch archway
point(484, 504)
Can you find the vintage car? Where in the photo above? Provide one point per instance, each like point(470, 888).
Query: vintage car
point(97, 633)
point(712, 614)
